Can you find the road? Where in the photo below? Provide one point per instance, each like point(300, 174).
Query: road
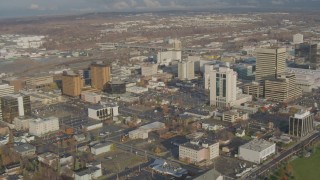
point(162, 48)
point(284, 155)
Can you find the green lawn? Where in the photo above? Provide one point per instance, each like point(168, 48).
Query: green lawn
point(307, 168)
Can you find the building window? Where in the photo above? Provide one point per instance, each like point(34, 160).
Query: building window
point(224, 87)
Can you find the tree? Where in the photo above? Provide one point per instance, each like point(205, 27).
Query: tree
point(157, 150)
point(113, 147)
point(282, 174)
point(165, 109)
point(290, 169)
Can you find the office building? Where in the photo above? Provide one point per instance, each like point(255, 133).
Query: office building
point(207, 69)
point(282, 89)
point(40, 127)
point(100, 75)
point(257, 150)
point(15, 105)
point(176, 44)
point(196, 60)
point(86, 76)
point(71, 84)
point(255, 89)
point(270, 62)
point(115, 87)
point(165, 58)
point(21, 123)
point(223, 90)
point(149, 69)
point(103, 112)
point(198, 150)
point(17, 83)
point(245, 71)
point(186, 70)
point(39, 82)
point(306, 51)
point(234, 116)
point(6, 89)
point(301, 123)
point(297, 38)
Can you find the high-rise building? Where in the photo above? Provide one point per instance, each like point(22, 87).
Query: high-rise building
point(245, 71)
point(283, 88)
point(297, 38)
point(100, 75)
point(186, 70)
point(270, 63)
point(223, 87)
point(86, 76)
point(207, 69)
point(149, 69)
point(15, 105)
point(307, 52)
point(5, 89)
point(255, 89)
point(39, 82)
point(17, 83)
point(301, 123)
point(71, 84)
point(166, 57)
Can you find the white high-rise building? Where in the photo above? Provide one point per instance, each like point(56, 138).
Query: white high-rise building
point(186, 70)
point(207, 69)
point(149, 69)
point(40, 127)
point(166, 57)
point(297, 38)
point(223, 87)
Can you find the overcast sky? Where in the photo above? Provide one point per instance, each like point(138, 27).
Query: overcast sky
point(10, 8)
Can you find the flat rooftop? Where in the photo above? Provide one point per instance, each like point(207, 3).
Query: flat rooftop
point(257, 145)
point(193, 146)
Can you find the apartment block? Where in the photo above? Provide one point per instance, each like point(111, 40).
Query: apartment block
point(198, 151)
point(40, 127)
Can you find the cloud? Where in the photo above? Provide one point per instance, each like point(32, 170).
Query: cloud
point(152, 3)
point(133, 3)
point(121, 5)
point(279, 2)
point(35, 7)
